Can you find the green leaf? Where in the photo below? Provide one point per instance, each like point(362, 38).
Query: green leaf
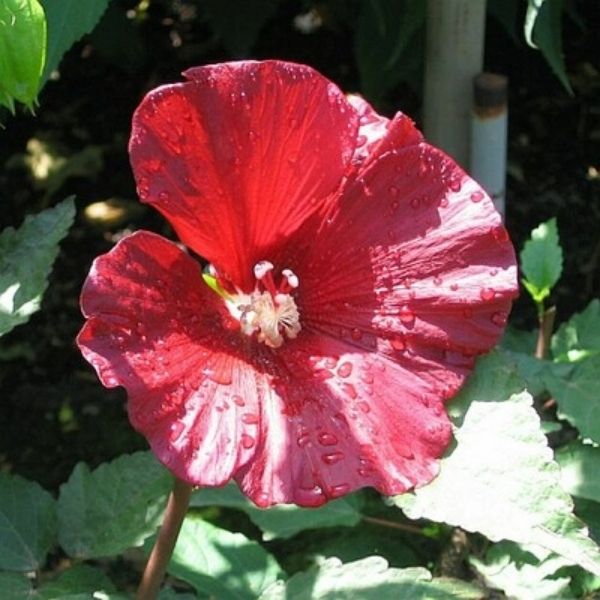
point(386, 30)
point(68, 21)
point(578, 396)
point(524, 573)
point(27, 524)
point(14, 586)
point(283, 521)
point(580, 336)
point(220, 563)
point(26, 258)
point(579, 472)
point(500, 480)
point(239, 23)
point(519, 340)
point(114, 507)
point(541, 260)
point(368, 578)
point(81, 580)
point(543, 30)
point(22, 51)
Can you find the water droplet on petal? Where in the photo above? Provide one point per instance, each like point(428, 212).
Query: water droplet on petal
point(356, 334)
point(335, 491)
point(332, 457)
point(345, 369)
point(477, 196)
point(249, 419)
point(330, 362)
point(444, 202)
point(303, 440)
point(393, 190)
point(176, 430)
point(499, 318)
point(437, 280)
point(500, 234)
point(350, 390)
point(415, 202)
point(238, 400)
point(407, 316)
point(455, 185)
point(364, 407)
point(398, 343)
point(327, 439)
point(487, 294)
point(247, 441)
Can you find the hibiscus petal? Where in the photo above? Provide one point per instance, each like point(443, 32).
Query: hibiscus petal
point(155, 328)
point(240, 155)
point(415, 256)
point(345, 419)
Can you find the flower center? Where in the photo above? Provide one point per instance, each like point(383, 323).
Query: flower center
point(269, 311)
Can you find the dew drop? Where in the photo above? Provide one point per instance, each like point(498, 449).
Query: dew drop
point(393, 190)
point(455, 185)
point(407, 316)
point(332, 457)
point(249, 419)
point(444, 202)
point(477, 196)
point(176, 430)
point(303, 440)
point(252, 135)
point(398, 343)
point(499, 318)
point(350, 390)
point(345, 369)
point(500, 234)
point(364, 407)
point(330, 362)
point(368, 377)
point(437, 280)
point(335, 491)
point(487, 294)
point(361, 140)
point(356, 334)
point(415, 202)
point(327, 439)
point(454, 287)
point(247, 441)
point(238, 400)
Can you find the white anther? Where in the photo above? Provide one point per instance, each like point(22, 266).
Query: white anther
point(291, 278)
point(262, 268)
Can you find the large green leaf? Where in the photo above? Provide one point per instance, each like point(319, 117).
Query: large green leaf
point(541, 260)
point(524, 573)
point(22, 51)
point(27, 524)
point(580, 336)
point(386, 30)
point(239, 23)
point(369, 578)
point(500, 480)
point(578, 396)
point(222, 564)
point(114, 507)
point(14, 586)
point(81, 580)
point(543, 30)
point(68, 20)
point(282, 521)
point(26, 258)
point(580, 470)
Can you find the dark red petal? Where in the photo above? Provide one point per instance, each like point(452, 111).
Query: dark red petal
point(415, 255)
point(345, 419)
point(155, 328)
point(239, 156)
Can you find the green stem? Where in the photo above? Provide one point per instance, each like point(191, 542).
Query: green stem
point(156, 566)
point(394, 525)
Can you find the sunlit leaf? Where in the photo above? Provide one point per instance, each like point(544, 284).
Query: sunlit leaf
point(541, 260)
point(68, 21)
point(26, 258)
point(14, 586)
point(580, 470)
point(579, 337)
point(500, 480)
point(578, 396)
point(282, 521)
point(80, 580)
point(27, 524)
point(529, 573)
point(368, 578)
point(114, 507)
point(22, 51)
point(225, 565)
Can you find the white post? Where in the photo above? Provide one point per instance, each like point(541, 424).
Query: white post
point(488, 136)
point(453, 56)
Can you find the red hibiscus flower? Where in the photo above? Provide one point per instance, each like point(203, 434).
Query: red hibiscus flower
point(355, 272)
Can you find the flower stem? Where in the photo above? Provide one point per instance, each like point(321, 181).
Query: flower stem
point(394, 525)
point(156, 566)
point(545, 333)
